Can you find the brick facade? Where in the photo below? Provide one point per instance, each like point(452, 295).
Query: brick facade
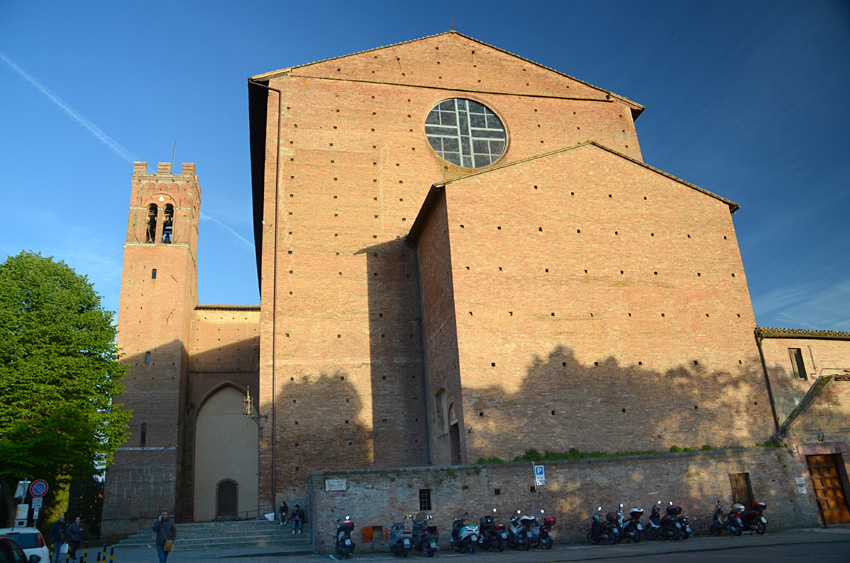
point(414, 312)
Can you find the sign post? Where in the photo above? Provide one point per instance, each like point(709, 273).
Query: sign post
point(539, 476)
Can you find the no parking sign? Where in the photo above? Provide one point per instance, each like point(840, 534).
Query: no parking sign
point(38, 488)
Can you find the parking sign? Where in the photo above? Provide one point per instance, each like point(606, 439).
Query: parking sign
point(539, 476)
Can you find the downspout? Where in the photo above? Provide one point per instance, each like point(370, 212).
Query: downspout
point(274, 284)
point(759, 338)
point(425, 396)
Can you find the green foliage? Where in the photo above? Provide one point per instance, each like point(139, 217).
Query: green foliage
point(706, 448)
point(59, 374)
point(451, 473)
point(770, 444)
point(529, 455)
point(490, 460)
point(675, 449)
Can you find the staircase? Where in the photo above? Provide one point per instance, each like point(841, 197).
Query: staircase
point(246, 535)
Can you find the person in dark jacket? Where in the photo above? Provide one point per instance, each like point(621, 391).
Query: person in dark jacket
point(75, 536)
point(165, 530)
point(57, 536)
point(297, 519)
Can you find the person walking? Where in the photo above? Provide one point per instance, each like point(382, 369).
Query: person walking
point(283, 511)
point(75, 536)
point(297, 519)
point(166, 533)
point(57, 536)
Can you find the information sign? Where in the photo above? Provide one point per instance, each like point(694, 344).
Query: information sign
point(37, 502)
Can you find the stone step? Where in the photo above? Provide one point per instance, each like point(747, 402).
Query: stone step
point(226, 535)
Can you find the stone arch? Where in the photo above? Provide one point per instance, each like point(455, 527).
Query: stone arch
point(226, 449)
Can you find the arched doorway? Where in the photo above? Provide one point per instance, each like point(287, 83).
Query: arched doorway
point(227, 500)
point(226, 455)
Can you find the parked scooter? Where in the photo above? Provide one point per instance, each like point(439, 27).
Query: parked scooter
point(731, 522)
point(517, 534)
point(401, 539)
point(529, 522)
point(344, 544)
point(603, 531)
point(544, 534)
point(464, 538)
point(489, 536)
point(632, 528)
point(423, 540)
point(754, 519)
point(684, 524)
point(653, 527)
point(671, 528)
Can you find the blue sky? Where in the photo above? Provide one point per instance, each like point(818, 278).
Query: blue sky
point(744, 99)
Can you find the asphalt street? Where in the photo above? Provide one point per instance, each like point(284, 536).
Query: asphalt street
point(830, 545)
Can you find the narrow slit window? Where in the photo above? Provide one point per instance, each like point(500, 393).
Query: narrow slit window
point(153, 273)
point(147, 357)
point(143, 435)
point(168, 224)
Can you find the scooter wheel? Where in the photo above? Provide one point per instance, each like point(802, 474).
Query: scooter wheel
point(735, 530)
point(760, 528)
point(591, 539)
point(714, 530)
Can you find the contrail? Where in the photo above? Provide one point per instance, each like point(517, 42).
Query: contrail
point(104, 138)
point(237, 235)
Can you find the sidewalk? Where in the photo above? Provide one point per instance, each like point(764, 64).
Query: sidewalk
point(840, 536)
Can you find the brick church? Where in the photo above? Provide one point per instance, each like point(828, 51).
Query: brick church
point(461, 255)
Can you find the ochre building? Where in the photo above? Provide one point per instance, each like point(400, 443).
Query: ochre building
point(461, 255)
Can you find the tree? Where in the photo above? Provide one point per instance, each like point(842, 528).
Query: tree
point(59, 375)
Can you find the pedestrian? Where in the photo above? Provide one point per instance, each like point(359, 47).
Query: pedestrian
point(75, 536)
point(166, 533)
point(57, 536)
point(283, 510)
point(297, 519)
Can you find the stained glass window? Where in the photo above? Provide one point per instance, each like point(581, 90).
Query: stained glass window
point(465, 133)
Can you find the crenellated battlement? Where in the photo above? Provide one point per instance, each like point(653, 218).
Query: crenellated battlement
point(163, 168)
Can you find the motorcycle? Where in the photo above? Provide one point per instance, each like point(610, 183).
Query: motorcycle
point(517, 534)
point(754, 519)
point(544, 534)
point(344, 544)
point(653, 528)
point(603, 531)
point(632, 528)
point(401, 539)
point(684, 524)
point(423, 540)
point(731, 522)
point(490, 534)
point(464, 538)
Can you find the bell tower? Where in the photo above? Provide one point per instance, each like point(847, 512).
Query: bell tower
point(159, 291)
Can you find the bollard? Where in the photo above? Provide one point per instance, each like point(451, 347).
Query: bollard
point(86, 553)
point(111, 554)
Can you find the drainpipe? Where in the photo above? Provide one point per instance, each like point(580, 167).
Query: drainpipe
point(274, 284)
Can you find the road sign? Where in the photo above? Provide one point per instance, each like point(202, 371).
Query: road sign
point(38, 488)
point(37, 502)
point(539, 476)
point(23, 487)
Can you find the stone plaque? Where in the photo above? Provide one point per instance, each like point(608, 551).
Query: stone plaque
point(334, 484)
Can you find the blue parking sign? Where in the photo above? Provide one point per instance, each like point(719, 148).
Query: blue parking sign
point(539, 476)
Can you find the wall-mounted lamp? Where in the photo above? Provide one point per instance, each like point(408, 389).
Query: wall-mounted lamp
point(248, 408)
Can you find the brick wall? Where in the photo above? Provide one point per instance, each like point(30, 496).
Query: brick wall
point(573, 490)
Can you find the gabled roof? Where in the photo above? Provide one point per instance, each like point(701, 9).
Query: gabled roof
point(434, 192)
point(265, 77)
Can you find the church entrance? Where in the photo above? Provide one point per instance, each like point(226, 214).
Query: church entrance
point(826, 479)
point(227, 500)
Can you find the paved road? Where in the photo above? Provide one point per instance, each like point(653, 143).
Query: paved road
point(821, 546)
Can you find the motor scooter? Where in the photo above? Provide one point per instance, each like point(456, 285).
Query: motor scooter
point(544, 534)
point(603, 531)
point(671, 528)
point(423, 539)
point(754, 519)
point(344, 544)
point(489, 536)
point(401, 539)
point(517, 534)
point(653, 527)
point(464, 537)
point(632, 528)
point(731, 522)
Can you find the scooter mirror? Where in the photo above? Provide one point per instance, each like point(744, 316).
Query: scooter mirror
point(519, 511)
point(542, 511)
point(621, 504)
point(494, 511)
point(600, 508)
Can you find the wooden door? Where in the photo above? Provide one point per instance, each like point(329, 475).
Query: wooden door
point(227, 504)
point(829, 491)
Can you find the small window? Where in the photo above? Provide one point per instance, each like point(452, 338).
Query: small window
point(424, 499)
point(741, 490)
point(797, 364)
point(147, 357)
point(144, 435)
point(153, 274)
